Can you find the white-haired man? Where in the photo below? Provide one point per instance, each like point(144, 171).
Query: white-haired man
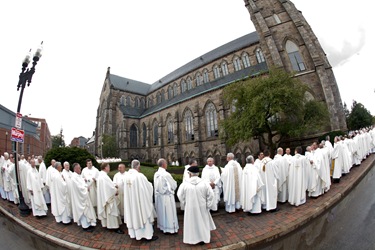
point(34, 186)
point(211, 174)
point(165, 187)
point(231, 176)
point(139, 211)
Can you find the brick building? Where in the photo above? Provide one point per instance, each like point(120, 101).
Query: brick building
point(177, 116)
point(43, 133)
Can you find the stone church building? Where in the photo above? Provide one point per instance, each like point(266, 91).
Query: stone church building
point(177, 116)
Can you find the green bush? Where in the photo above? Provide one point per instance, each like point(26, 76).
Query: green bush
point(332, 135)
point(70, 155)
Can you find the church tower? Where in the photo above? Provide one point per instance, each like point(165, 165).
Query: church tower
point(288, 41)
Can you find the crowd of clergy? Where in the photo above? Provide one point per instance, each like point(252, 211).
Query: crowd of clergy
point(86, 195)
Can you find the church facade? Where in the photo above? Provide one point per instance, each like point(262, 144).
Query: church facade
point(177, 117)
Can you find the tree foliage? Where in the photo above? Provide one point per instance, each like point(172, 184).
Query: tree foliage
point(57, 141)
point(109, 146)
point(359, 117)
point(70, 155)
point(271, 106)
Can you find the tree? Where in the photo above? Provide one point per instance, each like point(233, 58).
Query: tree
point(57, 141)
point(70, 155)
point(109, 146)
point(272, 106)
point(359, 117)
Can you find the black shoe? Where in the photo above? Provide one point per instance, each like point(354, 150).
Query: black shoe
point(89, 229)
point(201, 243)
point(153, 238)
point(275, 210)
point(119, 231)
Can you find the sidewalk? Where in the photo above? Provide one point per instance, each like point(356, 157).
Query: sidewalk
point(234, 231)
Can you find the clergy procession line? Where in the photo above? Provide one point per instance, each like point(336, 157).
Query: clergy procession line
point(89, 195)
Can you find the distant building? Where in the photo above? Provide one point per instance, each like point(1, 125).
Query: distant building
point(79, 142)
point(32, 141)
point(43, 133)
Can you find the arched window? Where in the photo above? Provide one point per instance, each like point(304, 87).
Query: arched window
point(259, 56)
point(156, 134)
point(224, 68)
point(189, 126)
point(175, 89)
point(170, 130)
point(183, 86)
point(211, 120)
point(295, 56)
point(198, 79)
point(122, 100)
point(128, 101)
point(189, 84)
point(170, 92)
point(237, 63)
point(158, 98)
point(246, 60)
point(150, 102)
point(216, 72)
point(133, 136)
point(162, 95)
point(143, 103)
point(136, 102)
point(206, 77)
point(277, 19)
point(144, 137)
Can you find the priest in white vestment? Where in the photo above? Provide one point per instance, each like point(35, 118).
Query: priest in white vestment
point(231, 176)
point(338, 160)
point(165, 204)
point(269, 175)
point(297, 178)
point(83, 211)
point(192, 162)
point(196, 198)
point(258, 161)
point(34, 186)
point(251, 188)
point(139, 211)
point(318, 175)
point(23, 167)
point(283, 172)
point(90, 175)
point(43, 174)
point(67, 176)
point(10, 181)
point(119, 180)
point(2, 192)
point(211, 174)
point(107, 200)
point(59, 196)
point(46, 191)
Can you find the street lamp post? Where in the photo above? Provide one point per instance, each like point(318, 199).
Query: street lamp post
point(6, 141)
point(25, 77)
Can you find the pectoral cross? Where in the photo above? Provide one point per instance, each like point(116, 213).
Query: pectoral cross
point(129, 183)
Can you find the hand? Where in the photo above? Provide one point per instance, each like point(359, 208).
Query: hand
point(31, 192)
point(212, 185)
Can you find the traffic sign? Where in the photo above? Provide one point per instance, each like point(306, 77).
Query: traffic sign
point(17, 135)
point(18, 121)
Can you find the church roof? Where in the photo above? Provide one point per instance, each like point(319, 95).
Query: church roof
point(142, 88)
point(129, 85)
point(219, 52)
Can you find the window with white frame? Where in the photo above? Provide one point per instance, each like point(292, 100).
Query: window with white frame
point(237, 63)
point(294, 56)
point(246, 60)
point(259, 55)
point(224, 68)
point(206, 77)
point(211, 120)
point(216, 70)
point(189, 126)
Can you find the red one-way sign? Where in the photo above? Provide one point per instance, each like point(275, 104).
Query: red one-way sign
point(17, 135)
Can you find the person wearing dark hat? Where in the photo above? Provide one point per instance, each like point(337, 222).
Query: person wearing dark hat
point(196, 199)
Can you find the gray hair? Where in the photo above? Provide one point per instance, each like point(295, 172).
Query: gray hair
point(161, 162)
point(230, 155)
point(194, 174)
point(40, 157)
point(57, 164)
point(250, 159)
point(135, 164)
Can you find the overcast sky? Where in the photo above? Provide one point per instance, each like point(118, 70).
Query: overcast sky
point(145, 40)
